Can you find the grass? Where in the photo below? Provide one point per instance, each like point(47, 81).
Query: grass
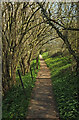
point(16, 102)
point(65, 85)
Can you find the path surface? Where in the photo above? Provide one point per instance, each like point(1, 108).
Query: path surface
point(42, 104)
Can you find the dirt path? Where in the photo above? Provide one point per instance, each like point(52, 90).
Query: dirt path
point(42, 104)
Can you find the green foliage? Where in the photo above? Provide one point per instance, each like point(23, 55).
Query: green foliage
point(16, 102)
point(45, 55)
point(64, 86)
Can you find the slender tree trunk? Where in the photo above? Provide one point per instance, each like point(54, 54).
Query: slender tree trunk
point(28, 62)
point(7, 72)
point(23, 66)
point(37, 62)
point(13, 69)
point(13, 75)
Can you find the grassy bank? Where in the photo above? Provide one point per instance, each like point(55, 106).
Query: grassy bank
point(16, 101)
point(64, 83)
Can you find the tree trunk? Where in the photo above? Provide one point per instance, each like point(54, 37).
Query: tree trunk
point(37, 62)
point(13, 73)
point(28, 62)
point(6, 75)
point(23, 64)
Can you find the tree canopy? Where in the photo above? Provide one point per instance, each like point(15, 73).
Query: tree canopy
point(29, 27)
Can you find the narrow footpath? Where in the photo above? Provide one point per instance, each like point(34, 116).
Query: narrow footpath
point(42, 104)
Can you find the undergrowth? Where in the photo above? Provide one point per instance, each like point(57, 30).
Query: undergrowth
point(65, 85)
point(15, 103)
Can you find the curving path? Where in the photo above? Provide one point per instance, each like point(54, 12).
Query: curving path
point(42, 104)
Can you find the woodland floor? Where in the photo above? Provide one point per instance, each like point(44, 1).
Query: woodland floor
point(42, 104)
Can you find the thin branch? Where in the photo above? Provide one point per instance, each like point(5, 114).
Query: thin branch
point(49, 19)
point(29, 30)
point(48, 41)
